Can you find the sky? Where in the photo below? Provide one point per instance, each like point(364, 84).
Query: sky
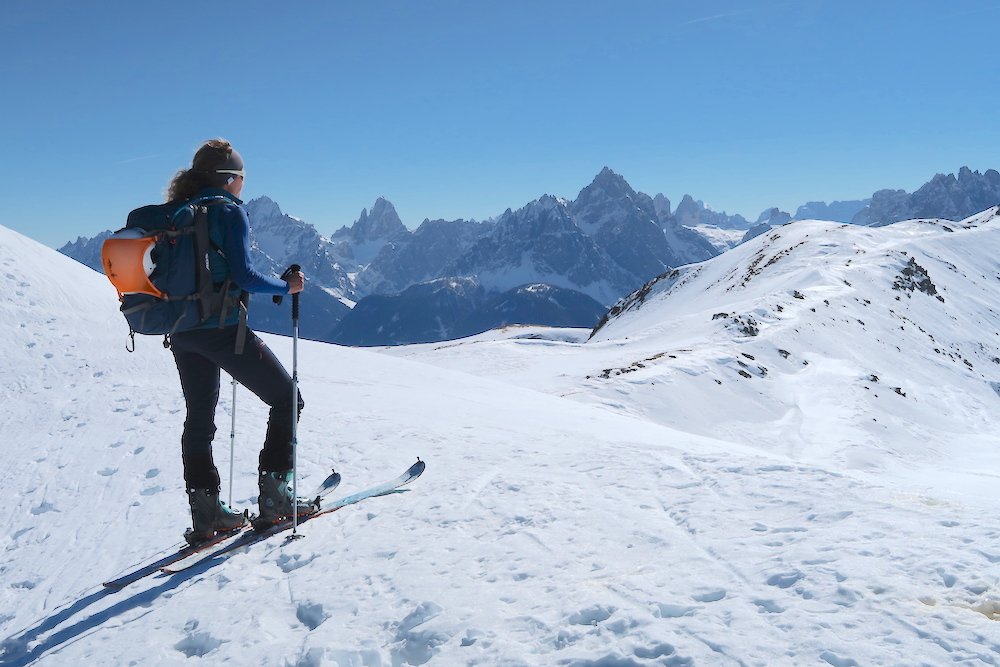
point(456, 109)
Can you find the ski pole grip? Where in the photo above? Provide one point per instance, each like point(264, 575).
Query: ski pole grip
point(278, 298)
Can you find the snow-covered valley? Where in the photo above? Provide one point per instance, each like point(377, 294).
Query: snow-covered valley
point(764, 459)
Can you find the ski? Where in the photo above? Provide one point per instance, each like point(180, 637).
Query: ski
point(179, 555)
point(322, 491)
point(327, 485)
point(249, 537)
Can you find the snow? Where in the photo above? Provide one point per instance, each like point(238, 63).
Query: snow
point(649, 517)
point(721, 239)
point(337, 295)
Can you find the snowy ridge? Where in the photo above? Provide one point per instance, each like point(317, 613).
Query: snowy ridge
point(880, 335)
point(560, 520)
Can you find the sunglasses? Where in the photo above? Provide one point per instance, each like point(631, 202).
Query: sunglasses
point(235, 172)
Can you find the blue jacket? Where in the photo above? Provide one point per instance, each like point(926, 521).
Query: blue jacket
point(229, 229)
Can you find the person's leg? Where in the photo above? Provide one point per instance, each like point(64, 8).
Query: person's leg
point(258, 370)
point(200, 385)
point(269, 380)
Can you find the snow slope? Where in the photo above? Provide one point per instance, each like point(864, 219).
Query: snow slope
point(814, 341)
point(599, 530)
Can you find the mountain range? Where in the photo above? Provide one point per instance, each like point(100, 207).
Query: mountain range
point(945, 196)
point(600, 246)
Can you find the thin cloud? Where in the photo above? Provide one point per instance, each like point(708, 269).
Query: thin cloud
point(716, 17)
point(738, 12)
point(139, 159)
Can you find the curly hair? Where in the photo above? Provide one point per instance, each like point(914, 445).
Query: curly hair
point(186, 183)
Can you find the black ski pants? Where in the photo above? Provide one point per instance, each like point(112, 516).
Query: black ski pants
point(200, 354)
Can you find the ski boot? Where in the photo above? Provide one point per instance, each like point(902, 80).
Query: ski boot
point(210, 515)
point(275, 500)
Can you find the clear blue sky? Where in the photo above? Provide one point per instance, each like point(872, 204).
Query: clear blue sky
point(464, 108)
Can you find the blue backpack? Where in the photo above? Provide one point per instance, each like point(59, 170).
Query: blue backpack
point(159, 263)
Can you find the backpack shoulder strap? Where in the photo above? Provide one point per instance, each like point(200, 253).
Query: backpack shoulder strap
point(203, 276)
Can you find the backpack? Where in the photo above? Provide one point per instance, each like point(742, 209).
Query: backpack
point(159, 263)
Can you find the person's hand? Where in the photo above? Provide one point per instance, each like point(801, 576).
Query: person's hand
point(296, 282)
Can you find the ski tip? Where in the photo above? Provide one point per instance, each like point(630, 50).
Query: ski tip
point(416, 469)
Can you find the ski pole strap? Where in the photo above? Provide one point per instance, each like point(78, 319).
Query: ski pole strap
point(241, 330)
point(278, 298)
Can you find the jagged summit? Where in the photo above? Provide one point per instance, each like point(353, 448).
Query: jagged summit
point(662, 206)
point(607, 187)
point(609, 178)
point(381, 223)
point(692, 212)
point(265, 207)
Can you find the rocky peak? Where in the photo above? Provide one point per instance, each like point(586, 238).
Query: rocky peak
point(662, 206)
point(264, 207)
point(691, 212)
point(606, 186)
point(774, 217)
point(609, 202)
point(688, 207)
point(381, 223)
point(545, 215)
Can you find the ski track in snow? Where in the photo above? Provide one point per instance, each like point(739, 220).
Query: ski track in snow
point(561, 520)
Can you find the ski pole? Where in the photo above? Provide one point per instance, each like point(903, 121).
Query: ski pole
point(294, 268)
point(232, 445)
point(295, 407)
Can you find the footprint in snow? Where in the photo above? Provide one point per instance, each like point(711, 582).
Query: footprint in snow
point(769, 606)
point(674, 610)
point(592, 615)
point(947, 578)
point(311, 615)
point(831, 517)
point(659, 651)
point(710, 596)
point(832, 658)
point(198, 644)
point(785, 579)
point(43, 508)
point(416, 645)
point(289, 563)
point(107, 472)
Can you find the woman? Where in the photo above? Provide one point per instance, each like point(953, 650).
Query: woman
point(200, 353)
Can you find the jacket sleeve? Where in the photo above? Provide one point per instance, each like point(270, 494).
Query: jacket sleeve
point(237, 249)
